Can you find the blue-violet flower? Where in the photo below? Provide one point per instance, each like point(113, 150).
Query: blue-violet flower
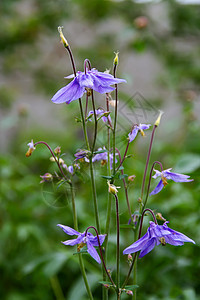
point(103, 157)
point(101, 113)
point(141, 127)
point(92, 79)
point(157, 234)
point(166, 174)
point(89, 239)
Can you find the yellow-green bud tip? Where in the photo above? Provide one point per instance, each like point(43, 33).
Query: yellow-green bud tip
point(112, 188)
point(116, 59)
point(63, 39)
point(157, 123)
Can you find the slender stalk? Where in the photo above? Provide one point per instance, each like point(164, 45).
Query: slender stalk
point(115, 118)
point(109, 203)
point(147, 161)
point(122, 160)
point(118, 250)
point(86, 106)
point(94, 195)
point(95, 121)
point(101, 253)
point(149, 183)
point(55, 158)
point(81, 263)
point(124, 183)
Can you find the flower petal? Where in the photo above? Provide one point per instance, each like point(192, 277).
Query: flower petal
point(69, 93)
point(138, 245)
point(148, 247)
point(94, 240)
point(68, 230)
point(144, 126)
point(177, 177)
point(132, 134)
point(158, 188)
point(93, 252)
point(73, 241)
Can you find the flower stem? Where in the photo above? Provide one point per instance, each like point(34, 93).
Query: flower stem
point(94, 195)
point(101, 253)
point(115, 119)
point(57, 288)
point(118, 250)
point(147, 161)
point(81, 263)
point(95, 122)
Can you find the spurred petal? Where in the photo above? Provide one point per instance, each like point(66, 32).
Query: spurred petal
point(68, 230)
point(73, 241)
point(177, 177)
point(94, 240)
point(138, 245)
point(144, 126)
point(158, 188)
point(133, 134)
point(148, 247)
point(70, 92)
point(93, 252)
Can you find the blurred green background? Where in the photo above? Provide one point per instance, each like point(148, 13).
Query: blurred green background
point(159, 50)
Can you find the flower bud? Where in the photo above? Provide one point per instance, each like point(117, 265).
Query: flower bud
point(160, 217)
point(112, 188)
point(31, 148)
point(131, 178)
point(63, 39)
point(57, 150)
point(141, 22)
point(46, 177)
point(157, 123)
point(130, 293)
point(116, 59)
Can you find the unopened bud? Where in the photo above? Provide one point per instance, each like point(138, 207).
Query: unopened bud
point(129, 259)
point(157, 123)
point(57, 150)
point(139, 200)
point(46, 177)
point(106, 285)
point(63, 39)
point(30, 149)
point(116, 59)
point(131, 178)
point(141, 22)
point(130, 293)
point(160, 217)
point(112, 188)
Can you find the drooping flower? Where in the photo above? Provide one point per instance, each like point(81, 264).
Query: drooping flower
point(89, 239)
point(81, 154)
point(101, 113)
point(46, 177)
point(91, 79)
point(103, 157)
point(157, 234)
point(30, 149)
point(141, 127)
point(166, 174)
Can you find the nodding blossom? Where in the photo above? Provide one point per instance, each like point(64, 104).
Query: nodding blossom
point(101, 113)
point(157, 234)
point(91, 79)
point(30, 149)
point(103, 157)
point(166, 174)
point(138, 128)
point(89, 239)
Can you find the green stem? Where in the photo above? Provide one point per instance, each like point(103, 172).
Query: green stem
point(94, 195)
point(118, 250)
point(115, 119)
point(80, 255)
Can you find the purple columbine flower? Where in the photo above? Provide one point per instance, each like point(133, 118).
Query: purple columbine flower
point(81, 154)
point(141, 127)
point(92, 79)
point(89, 239)
point(166, 174)
point(103, 157)
point(157, 234)
point(101, 112)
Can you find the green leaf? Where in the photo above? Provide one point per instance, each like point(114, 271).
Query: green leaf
point(127, 226)
point(100, 151)
point(122, 176)
point(131, 287)
point(107, 177)
point(188, 163)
